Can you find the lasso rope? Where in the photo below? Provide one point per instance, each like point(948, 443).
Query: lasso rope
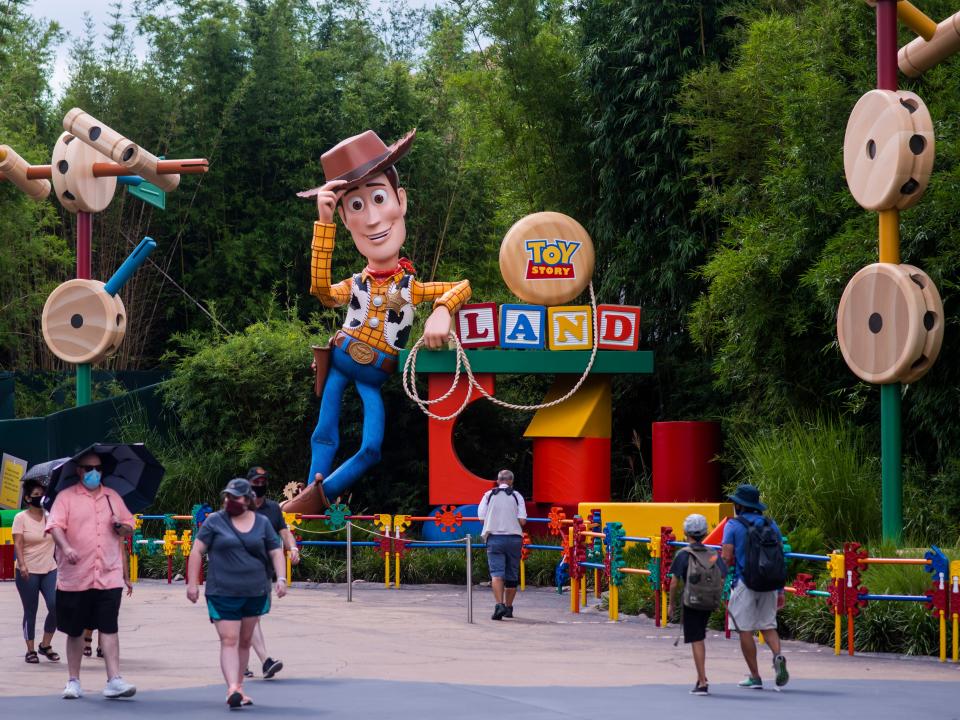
point(410, 377)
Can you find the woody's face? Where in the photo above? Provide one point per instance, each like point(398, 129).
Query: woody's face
point(373, 213)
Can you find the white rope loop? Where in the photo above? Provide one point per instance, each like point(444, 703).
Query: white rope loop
point(410, 377)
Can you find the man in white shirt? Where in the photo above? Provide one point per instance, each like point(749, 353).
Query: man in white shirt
point(504, 513)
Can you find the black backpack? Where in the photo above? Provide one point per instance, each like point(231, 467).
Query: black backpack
point(703, 584)
point(764, 567)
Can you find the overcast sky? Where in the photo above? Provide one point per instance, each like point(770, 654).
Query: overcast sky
point(69, 13)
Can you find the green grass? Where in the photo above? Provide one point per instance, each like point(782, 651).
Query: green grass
point(816, 475)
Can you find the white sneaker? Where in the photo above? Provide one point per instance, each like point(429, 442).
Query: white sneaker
point(119, 688)
point(72, 691)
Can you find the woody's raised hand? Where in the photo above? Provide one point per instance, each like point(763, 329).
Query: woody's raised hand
point(327, 196)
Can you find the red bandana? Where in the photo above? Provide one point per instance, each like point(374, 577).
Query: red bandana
point(404, 265)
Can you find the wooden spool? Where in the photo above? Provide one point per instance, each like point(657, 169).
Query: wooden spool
point(73, 181)
point(888, 150)
point(82, 323)
point(880, 323)
point(933, 323)
point(547, 258)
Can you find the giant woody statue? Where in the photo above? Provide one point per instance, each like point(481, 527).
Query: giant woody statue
point(363, 187)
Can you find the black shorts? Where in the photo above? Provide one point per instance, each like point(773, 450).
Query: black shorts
point(695, 624)
point(88, 610)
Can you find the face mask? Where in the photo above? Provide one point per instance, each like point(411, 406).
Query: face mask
point(91, 479)
point(35, 501)
point(235, 507)
point(259, 490)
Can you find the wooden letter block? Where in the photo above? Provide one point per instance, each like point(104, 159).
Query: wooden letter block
point(523, 326)
point(618, 326)
point(477, 325)
point(571, 327)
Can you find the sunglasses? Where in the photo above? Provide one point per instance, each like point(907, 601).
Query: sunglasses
point(89, 467)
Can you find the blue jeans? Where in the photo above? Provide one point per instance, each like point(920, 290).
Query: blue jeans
point(326, 436)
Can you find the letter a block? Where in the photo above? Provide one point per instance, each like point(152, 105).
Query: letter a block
point(619, 327)
point(523, 326)
point(477, 325)
point(571, 327)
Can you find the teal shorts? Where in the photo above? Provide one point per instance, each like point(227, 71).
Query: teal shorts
point(221, 607)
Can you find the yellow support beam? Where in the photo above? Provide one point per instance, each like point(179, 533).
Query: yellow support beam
point(890, 236)
point(916, 19)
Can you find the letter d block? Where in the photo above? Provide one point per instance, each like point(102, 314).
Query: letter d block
point(477, 325)
point(523, 326)
point(619, 327)
point(571, 327)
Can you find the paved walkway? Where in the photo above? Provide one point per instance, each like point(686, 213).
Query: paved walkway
point(409, 653)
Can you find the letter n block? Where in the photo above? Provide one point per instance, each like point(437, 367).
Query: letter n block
point(571, 327)
point(523, 326)
point(619, 327)
point(477, 325)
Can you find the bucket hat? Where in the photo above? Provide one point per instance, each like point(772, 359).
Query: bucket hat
point(748, 496)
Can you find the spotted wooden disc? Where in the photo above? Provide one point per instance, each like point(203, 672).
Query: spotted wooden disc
point(933, 323)
point(73, 181)
point(547, 258)
point(880, 323)
point(888, 150)
point(82, 323)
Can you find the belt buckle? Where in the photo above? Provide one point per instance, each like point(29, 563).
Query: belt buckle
point(361, 353)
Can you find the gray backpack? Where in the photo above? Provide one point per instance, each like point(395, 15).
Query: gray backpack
point(703, 585)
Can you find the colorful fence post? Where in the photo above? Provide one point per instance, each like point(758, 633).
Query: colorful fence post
point(613, 532)
point(384, 544)
point(524, 554)
point(835, 601)
point(666, 557)
point(853, 557)
point(955, 606)
point(598, 552)
point(655, 578)
point(939, 569)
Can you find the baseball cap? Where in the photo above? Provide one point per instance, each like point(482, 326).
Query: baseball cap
point(257, 472)
point(238, 487)
point(695, 525)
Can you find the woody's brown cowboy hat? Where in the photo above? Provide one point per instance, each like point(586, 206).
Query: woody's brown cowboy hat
point(360, 157)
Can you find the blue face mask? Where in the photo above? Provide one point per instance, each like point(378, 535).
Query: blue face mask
point(91, 479)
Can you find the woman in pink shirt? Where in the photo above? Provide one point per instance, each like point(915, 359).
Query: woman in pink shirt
point(36, 572)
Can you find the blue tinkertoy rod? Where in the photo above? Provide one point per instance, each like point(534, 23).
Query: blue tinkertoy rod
point(545, 547)
point(897, 598)
point(339, 543)
point(631, 538)
point(805, 556)
point(598, 566)
point(134, 260)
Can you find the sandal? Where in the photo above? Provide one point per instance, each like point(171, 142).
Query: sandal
point(87, 648)
point(99, 652)
point(48, 653)
point(246, 701)
point(234, 700)
point(31, 657)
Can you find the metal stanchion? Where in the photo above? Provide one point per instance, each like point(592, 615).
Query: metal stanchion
point(469, 579)
point(349, 562)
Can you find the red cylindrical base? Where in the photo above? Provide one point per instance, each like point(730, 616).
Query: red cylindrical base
point(567, 471)
point(684, 462)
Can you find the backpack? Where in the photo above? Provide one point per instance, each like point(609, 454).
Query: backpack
point(764, 567)
point(703, 584)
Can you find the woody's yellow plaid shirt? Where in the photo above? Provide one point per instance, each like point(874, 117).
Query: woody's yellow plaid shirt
point(448, 294)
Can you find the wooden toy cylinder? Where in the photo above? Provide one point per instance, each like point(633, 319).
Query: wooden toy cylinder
point(919, 55)
point(684, 461)
point(933, 323)
point(73, 181)
point(100, 136)
point(122, 150)
point(15, 169)
point(82, 323)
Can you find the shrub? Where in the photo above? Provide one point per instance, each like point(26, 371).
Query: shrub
point(815, 475)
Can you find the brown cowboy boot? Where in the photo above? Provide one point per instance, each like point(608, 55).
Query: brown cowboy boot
point(310, 500)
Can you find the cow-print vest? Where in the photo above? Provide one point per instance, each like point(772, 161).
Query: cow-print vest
point(397, 324)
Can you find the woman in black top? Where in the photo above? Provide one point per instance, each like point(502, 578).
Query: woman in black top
point(243, 551)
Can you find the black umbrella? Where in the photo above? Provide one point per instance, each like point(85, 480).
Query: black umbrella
point(130, 469)
point(41, 472)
